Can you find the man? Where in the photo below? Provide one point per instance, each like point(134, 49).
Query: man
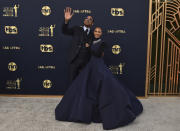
point(81, 36)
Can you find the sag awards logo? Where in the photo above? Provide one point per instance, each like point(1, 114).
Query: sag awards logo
point(117, 12)
point(46, 48)
point(47, 31)
point(46, 67)
point(11, 48)
point(12, 66)
point(110, 31)
point(46, 10)
point(14, 84)
point(11, 11)
point(47, 84)
point(116, 49)
point(11, 30)
point(117, 69)
point(82, 11)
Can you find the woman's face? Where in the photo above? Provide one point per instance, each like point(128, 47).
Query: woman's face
point(97, 32)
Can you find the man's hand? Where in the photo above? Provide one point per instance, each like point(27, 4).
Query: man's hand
point(68, 14)
point(87, 45)
point(102, 54)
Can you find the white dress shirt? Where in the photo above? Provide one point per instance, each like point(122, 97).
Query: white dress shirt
point(84, 27)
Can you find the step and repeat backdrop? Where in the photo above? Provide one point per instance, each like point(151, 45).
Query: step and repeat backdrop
point(34, 52)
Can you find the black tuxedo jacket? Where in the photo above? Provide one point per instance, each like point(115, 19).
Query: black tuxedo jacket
point(79, 38)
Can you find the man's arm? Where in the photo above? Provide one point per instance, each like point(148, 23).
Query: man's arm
point(67, 17)
point(66, 30)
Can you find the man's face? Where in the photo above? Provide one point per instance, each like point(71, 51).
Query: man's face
point(88, 21)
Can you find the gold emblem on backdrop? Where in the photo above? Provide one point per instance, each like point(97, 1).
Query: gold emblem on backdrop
point(117, 69)
point(46, 48)
point(11, 30)
point(117, 12)
point(12, 66)
point(163, 55)
point(11, 11)
point(47, 84)
point(47, 31)
point(116, 49)
point(46, 10)
point(14, 84)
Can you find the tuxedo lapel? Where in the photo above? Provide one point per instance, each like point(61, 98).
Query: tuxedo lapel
point(86, 37)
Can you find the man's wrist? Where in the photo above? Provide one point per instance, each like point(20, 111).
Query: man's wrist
point(66, 21)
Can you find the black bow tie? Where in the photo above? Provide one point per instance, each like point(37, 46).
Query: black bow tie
point(86, 31)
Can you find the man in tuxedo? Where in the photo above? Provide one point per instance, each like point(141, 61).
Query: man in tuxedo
point(81, 40)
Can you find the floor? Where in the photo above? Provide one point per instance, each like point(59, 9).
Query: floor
point(37, 114)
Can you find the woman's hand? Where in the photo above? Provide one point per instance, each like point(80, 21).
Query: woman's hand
point(68, 14)
point(87, 45)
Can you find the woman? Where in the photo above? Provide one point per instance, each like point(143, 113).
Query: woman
point(96, 95)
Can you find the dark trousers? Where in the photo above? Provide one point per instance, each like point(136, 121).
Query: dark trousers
point(76, 66)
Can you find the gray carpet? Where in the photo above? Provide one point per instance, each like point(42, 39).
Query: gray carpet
point(37, 114)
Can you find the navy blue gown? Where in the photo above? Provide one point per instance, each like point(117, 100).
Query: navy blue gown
point(97, 96)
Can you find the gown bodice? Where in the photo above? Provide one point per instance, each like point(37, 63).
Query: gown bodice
point(97, 47)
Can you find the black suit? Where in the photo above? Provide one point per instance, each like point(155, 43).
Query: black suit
point(79, 54)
